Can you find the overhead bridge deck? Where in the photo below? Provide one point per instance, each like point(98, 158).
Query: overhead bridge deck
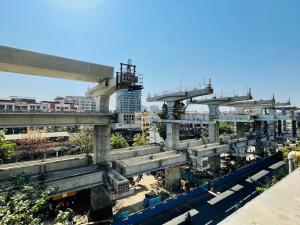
point(65, 180)
point(27, 62)
point(148, 163)
point(25, 119)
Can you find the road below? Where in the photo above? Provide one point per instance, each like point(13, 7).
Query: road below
point(213, 207)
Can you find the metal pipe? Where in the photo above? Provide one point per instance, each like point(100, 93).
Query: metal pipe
point(291, 157)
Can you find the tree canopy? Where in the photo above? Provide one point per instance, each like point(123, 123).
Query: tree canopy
point(7, 149)
point(27, 203)
point(118, 141)
point(140, 139)
point(225, 128)
point(83, 140)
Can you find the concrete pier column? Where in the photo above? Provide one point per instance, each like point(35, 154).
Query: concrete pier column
point(214, 163)
point(284, 124)
point(102, 146)
point(258, 127)
point(173, 178)
point(240, 129)
point(259, 149)
point(272, 125)
point(265, 127)
point(294, 124)
point(102, 103)
point(279, 127)
point(213, 129)
point(172, 138)
point(213, 132)
point(294, 128)
point(101, 204)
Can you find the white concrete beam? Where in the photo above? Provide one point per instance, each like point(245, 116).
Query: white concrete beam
point(33, 63)
point(53, 119)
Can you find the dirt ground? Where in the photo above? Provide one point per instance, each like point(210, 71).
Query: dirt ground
point(134, 202)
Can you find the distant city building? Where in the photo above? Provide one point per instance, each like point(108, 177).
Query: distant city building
point(21, 104)
point(153, 109)
point(85, 103)
point(144, 108)
point(25, 104)
point(128, 101)
point(59, 105)
point(143, 118)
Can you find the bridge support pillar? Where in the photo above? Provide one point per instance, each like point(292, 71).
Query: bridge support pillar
point(101, 204)
point(102, 103)
point(240, 129)
point(294, 128)
point(265, 127)
point(213, 129)
point(258, 128)
point(214, 163)
point(213, 132)
point(173, 178)
point(284, 125)
point(259, 149)
point(279, 127)
point(102, 147)
point(172, 135)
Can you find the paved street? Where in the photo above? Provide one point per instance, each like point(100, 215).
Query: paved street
point(213, 207)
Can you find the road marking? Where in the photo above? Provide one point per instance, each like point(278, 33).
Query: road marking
point(214, 194)
point(180, 219)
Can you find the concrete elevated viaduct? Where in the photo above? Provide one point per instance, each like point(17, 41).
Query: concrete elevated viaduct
point(91, 172)
point(25, 119)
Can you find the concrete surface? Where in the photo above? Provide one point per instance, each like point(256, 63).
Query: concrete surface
point(148, 163)
point(213, 207)
point(38, 167)
point(278, 205)
point(135, 202)
point(53, 119)
point(27, 62)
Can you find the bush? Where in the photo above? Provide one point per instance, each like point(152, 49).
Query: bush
point(118, 141)
point(140, 139)
point(7, 149)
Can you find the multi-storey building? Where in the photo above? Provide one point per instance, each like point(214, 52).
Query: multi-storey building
point(85, 103)
point(143, 118)
point(59, 105)
point(128, 101)
point(21, 104)
point(25, 104)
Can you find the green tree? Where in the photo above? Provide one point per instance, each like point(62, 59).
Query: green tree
point(140, 139)
point(7, 149)
point(25, 202)
point(118, 141)
point(83, 140)
point(225, 128)
point(65, 217)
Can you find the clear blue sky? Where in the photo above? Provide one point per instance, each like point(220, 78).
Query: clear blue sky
point(238, 44)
